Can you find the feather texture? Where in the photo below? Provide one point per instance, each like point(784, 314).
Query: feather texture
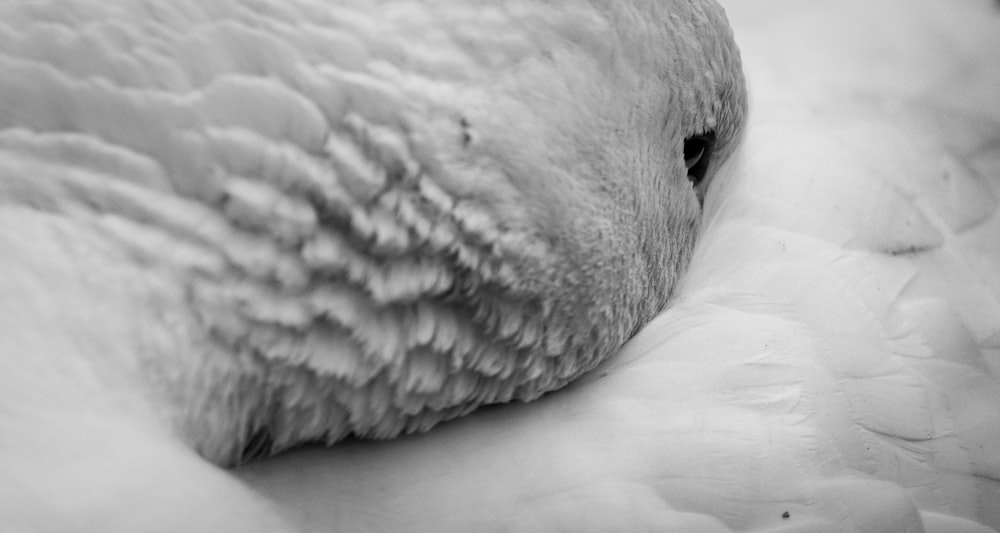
point(829, 361)
point(367, 218)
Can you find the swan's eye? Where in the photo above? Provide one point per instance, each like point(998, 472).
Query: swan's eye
point(697, 153)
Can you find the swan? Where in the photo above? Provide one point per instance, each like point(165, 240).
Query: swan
point(828, 362)
point(233, 227)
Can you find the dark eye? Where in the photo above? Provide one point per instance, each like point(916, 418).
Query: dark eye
point(697, 154)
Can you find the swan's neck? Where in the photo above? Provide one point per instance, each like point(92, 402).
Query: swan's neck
point(69, 324)
point(230, 370)
point(288, 307)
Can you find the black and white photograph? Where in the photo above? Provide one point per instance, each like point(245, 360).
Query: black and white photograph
point(449, 266)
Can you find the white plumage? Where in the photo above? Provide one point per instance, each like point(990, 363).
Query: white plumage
point(361, 219)
point(829, 362)
point(831, 354)
point(236, 226)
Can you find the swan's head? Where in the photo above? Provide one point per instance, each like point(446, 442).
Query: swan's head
point(497, 198)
